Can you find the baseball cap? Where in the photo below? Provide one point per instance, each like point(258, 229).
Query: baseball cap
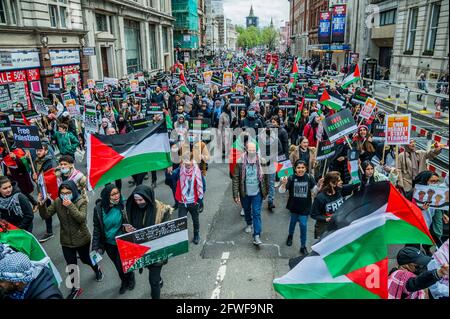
point(408, 255)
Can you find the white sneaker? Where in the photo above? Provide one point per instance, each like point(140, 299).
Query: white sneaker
point(248, 229)
point(277, 184)
point(257, 241)
point(242, 212)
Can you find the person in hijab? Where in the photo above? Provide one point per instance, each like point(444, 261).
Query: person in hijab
point(143, 210)
point(310, 130)
point(412, 161)
point(75, 237)
point(109, 218)
point(15, 208)
point(21, 278)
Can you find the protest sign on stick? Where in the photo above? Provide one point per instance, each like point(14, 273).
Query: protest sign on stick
point(398, 129)
point(26, 137)
point(339, 125)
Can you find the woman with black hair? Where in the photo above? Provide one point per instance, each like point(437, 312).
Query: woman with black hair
point(109, 221)
point(143, 210)
point(370, 175)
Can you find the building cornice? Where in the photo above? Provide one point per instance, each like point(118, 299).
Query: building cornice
point(42, 30)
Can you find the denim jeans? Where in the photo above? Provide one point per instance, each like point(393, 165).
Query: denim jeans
point(252, 208)
point(271, 195)
point(303, 221)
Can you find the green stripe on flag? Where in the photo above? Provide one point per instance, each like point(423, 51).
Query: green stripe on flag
point(324, 291)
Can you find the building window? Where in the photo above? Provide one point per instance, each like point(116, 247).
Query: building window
point(432, 31)
point(101, 22)
point(388, 17)
point(8, 12)
point(53, 10)
point(62, 11)
point(165, 38)
point(162, 4)
point(412, 28)
point(58, 12)
point(133, 46)
point(153, 47)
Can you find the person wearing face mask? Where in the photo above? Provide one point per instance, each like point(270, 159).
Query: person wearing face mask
point(251, 187)
point(143, 210)
point(109, 218)
point(302, 188)
point(331, 196)
point(252, 120)
point(412, 161)
point(66, 171)
point(410, 279)
point(305, 153)
point(310, 130)
point(71, 209)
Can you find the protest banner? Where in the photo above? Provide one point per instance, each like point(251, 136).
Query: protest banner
point(199, 129)
point(360, 97)
point(266, 97)
point(26, 137)
point(117, 95)
point(140, 95)
point(5, 124)
point(141, 79)
point(112, 81)
point(240, 88)
point(237, 101)
point(140, 123)
point(134, 85)
point(91, 83)
point(368, 108)
point(164, 86)
point(90, 118)
point(154, 108)
point(39, 104)
point(311, 96)
point(207, 77)
point(72, 108)
point(153, 244)
point(339, 125)
point(287, 102)
point(31, 114)
point(54, 89)
point(379, 133)
point(87, 95)
point(435, 195)
point(227, 79)
point(398, 129)
point(100, 85)
point(325, 150)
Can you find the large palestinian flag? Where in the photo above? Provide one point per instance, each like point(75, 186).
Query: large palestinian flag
point(353, 77)
point(331, 101)
point(112, 157)
point(153, 244)
point(363, 227)
point(310, 279)
point(247, 69)
point(22, 241)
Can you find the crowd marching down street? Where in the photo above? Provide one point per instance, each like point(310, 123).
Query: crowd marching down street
point(279, 125)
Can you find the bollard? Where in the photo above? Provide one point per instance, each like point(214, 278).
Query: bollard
point(390, 90)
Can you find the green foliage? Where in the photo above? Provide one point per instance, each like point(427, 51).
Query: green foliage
point(249, 38)
point(269, 37)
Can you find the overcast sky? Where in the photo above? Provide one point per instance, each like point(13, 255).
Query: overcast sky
point(237, 10)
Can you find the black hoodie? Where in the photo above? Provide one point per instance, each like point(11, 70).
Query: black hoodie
point(141, 217)
point(26, 221)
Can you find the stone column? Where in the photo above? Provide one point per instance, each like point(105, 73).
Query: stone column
point(121, 54)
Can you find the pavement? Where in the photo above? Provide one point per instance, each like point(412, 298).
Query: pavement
point(415, 107)
point(225, 265)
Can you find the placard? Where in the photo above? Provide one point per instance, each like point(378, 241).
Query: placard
point(5, 124)
point(237, 101)
point(134, 85)
point(154, 108)
point(153, 244)
point(227, 79)
point(87, 95)
point(398, 129)
point(26, 137)
point(266, 97)
point(287, 102)
point(31, 114)
point(90, 118)
point(140, 95)
point(39, 104)
point(207, 77)
point(326, 149)
point(368, 108)
point(339, 125)
point(379, 133)
point(100, 85)
point(117, 95)
point(436, 195)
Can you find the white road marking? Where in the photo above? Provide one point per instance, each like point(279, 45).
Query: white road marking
point(220, 275)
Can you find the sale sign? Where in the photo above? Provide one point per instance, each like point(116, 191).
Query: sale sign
point(398, 129)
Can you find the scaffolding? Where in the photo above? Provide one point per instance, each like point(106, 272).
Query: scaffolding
point(186, 26)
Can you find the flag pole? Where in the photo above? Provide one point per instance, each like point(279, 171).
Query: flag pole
point(6, 142)
point(396, 156)
point(348, 142)
point(31, 161)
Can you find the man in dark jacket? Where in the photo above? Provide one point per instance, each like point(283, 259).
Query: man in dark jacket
point(252, 120)
point(21, 278)
point(282, 135)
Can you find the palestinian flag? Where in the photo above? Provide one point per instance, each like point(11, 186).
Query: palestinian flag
point(298, 116)
point(182, 78)
point(21, 155)
point(351, 78)
point(310, 279)
point(22, 241)
point(284, 169)
point(331, 101)
point(247, 69)
point(112, 157)
point(168, 119)
point(51, 183)
point(153, 244)
point(353, 166)
point(363, 227)
point(270, 69)
point(294, 75)
point(185, 89)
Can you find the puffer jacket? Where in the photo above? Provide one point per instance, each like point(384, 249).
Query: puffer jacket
point(74, 230)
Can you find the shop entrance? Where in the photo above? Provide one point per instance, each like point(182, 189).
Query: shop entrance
point(105, 68)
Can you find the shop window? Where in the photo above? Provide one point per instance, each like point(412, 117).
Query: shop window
point(433, 28)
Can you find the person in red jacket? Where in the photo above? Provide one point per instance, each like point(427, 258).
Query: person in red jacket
point(310, 130)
